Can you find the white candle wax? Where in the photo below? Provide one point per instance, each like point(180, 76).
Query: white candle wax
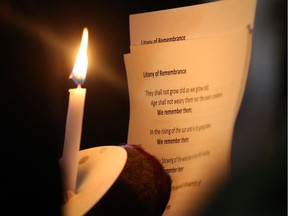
point(74, 120)
point(73, 138)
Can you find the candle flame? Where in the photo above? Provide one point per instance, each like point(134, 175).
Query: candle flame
point(80, 68)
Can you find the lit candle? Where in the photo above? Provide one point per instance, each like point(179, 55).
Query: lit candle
point(74, 120)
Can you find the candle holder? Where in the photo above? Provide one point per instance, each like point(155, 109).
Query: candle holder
point(98, 169)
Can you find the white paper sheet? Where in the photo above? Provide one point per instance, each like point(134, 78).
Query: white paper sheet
point(192, 22)
point(185, 95)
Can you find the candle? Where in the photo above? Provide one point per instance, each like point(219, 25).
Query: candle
point(74, 120)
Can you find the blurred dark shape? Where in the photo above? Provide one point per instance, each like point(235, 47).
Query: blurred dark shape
point(30, 174)
point(261, 190)
point(262, 119)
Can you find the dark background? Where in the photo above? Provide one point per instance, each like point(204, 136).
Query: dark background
point(39, 41)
